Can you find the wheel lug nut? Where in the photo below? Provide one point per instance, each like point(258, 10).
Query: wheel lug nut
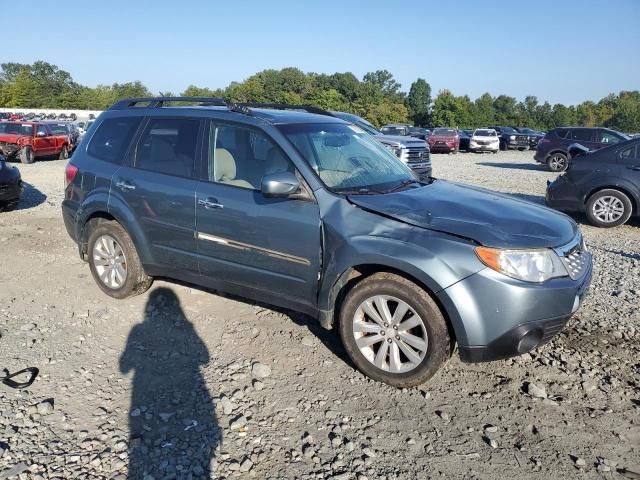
point(386, 325)
point(395, 327)
point(397, 337)
point(382, 332)
point(389, 340)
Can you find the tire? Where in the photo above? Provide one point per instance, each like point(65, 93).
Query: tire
point(136, 281)
point(431, 326)
point(608, 208)
point(495, 152)
point(557, 162)
point(503, 146)
point(64, 153)
point(26, 155)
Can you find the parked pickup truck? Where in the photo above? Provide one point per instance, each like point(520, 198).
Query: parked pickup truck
point(30, 140)
point(511, 139)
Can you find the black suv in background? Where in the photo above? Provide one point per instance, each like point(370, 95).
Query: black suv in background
point(534, 136)
point(553, 149)
point(604, 184)
point(511, 139)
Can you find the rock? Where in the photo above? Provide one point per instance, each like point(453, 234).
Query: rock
point(260, 370)
point(258, 385)
point(368, 452)
point(444, 416)
point(580, 462)
point(45, 408)
point(588, 387)
point(135, 412)
point(308, 341)
point(233, 465)
point(13, 471)
point(331, 414)
point(238, 422)
point(490, 428)
point(246, 465)
point(491, 442)
point(166, 416)
point(308, 451)
point(536, 391)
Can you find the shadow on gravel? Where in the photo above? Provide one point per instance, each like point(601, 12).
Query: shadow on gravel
point(31, 197)
point(173, 431)
point(517, 166)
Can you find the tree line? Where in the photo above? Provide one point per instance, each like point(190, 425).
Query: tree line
point(377, 97)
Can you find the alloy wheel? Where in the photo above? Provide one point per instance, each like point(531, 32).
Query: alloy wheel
point(110, 262)
point(390, 334)
point(557, 163)
point(608, 209)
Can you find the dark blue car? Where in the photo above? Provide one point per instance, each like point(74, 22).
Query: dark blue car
point(307, 212)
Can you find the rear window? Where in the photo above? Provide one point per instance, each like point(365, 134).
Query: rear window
point(582, 134)
point(112, 138)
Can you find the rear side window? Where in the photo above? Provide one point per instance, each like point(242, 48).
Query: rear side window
point(112, 138)
point(582, 135)
point(630, 154)
point(168, 145)
point(562, 132)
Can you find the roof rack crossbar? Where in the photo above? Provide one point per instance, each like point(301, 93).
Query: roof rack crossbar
point(158, 102)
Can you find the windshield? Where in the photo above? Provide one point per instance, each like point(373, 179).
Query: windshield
point(508, 130)
point(392, 130)
point(16, 128)
point(346, 159)
point(359, 121)
point(484, 133)
point(448, 132)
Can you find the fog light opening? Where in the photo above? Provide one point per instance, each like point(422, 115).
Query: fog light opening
point(529, 341)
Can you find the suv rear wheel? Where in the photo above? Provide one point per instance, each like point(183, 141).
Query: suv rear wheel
point(64, 153)
point(114, 261)
point(608, 208)
point(393, 330)
point(557, 162)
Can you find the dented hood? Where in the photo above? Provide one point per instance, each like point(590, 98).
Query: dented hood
point(491, 219)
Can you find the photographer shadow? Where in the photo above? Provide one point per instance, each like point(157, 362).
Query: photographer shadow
point(173, 430)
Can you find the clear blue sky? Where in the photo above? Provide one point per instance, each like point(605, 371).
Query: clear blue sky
point(560, 50)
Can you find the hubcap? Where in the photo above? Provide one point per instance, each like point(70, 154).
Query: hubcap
point(556, 162)
point(110, 262)
point(608, 209)
point(390, 334)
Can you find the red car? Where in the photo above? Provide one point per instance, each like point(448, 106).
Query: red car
point(444, 140)
point(30, 140)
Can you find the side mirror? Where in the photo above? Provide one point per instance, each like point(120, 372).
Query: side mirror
point(41, 134)
point(281, 184)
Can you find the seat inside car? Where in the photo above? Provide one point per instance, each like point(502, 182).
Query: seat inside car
point(225, 169)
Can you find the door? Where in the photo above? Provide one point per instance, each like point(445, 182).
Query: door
point(629, 161)
point(585, 137)
point(158, 186)
point(606, 137)
point(45, 142)
point(245, 238)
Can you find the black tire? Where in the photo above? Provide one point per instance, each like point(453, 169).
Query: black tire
point(495, 152)
point(557, 162)
point(503, 146)
point(136, 281)
point(439, 342)
point(618, 198)
point(26, 155)
point(64, 153)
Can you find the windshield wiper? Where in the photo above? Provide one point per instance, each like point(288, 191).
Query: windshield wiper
point(359, 191)
point(401, 185)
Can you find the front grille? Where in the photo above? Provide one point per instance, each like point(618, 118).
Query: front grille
point(575, 257)
point(417, 155)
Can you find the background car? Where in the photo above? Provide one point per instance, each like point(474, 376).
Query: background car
point(534, 136)
point(396, 129)
point(445, 140)
point(511, 139)
point(10, 185)
point(419, 132)
point(484, 140)
point(465, 136)
point(552, 150)
point(604, 184)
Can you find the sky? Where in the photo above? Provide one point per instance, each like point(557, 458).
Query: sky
point(563, 51)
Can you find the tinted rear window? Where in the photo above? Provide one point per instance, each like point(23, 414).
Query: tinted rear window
point(112, 138)
point(582, 134)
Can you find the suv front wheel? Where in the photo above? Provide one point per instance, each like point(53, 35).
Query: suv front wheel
point(393, 330)
point(114, 261)
point(608, 208)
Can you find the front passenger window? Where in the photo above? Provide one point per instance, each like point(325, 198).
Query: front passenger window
point(608, 138)
point(240, 157)
point(168, 146)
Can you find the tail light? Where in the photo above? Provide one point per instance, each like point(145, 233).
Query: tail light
point(70, 172)
point(544, 140)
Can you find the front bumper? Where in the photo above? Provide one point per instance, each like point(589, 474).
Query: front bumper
point(496, 317)
point(440, 147)
point(476, 147)
point(10, 192)
point(563, 195)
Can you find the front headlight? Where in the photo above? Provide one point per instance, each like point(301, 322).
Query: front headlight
point(512, 137)
point(528, 265)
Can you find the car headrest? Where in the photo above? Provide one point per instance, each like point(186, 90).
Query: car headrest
point(225, 165)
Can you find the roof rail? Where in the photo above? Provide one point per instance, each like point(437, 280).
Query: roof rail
point(284, 106)
point(157, 102)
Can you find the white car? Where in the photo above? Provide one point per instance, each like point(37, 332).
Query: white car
point(484, 140)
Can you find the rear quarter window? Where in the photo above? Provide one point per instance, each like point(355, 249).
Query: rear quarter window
point(562, 132)
point(111, 139)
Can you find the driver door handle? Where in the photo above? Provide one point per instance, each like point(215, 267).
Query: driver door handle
point(209, 203)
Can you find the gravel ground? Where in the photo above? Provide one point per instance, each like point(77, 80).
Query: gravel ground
point(183, 383)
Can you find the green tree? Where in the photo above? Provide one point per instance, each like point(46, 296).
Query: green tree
point(484, 111)
point(384, 80)
point(444, 110)
point(418, 102)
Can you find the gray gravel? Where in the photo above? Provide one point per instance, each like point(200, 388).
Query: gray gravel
point(183, 383)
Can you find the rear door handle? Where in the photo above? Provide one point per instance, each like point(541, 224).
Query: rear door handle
point(123, 185)
point(209, 203)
